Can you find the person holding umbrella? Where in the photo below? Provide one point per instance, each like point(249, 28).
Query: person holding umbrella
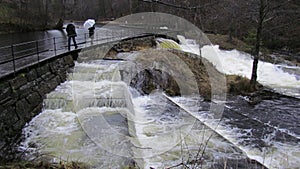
point(91, 31)
point(90, 25)
point(71, 33)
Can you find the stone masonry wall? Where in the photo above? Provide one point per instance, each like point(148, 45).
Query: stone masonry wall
point(22, 96)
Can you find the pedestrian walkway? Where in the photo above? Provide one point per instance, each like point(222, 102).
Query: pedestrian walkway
point(19, 56)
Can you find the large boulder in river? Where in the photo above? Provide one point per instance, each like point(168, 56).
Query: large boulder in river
point(149, 80)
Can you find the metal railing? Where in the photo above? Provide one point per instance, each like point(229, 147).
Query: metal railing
point(21, 55)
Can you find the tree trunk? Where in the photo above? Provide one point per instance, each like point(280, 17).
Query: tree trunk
point(46, 14)
point(130, 6)
point(262, 14)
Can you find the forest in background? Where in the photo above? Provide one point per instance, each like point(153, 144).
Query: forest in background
point(281, 24)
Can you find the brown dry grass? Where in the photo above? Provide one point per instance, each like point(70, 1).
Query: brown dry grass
point(200, 67)
point(45, 165)
point(224, 43)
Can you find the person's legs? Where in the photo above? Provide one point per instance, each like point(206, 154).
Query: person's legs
point(69, 43)
point(74, 41)
point(92, 39)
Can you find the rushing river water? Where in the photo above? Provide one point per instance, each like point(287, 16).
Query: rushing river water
point(282, 78)
point(96, 118)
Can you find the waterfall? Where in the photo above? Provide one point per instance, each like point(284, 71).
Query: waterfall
point(84, 119)
point(95, 117)
point(238, 63)
point(234, 62)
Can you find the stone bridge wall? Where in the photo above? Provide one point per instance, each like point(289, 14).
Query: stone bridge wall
point(22, 94)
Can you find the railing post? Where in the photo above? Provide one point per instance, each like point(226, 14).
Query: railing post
point(54, 43)
point(97, 37)
point(13, 56)
point(37, 50)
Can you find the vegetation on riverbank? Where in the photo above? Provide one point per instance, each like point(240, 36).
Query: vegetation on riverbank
point(236, 18)
point(45, 165)
point(235, 85)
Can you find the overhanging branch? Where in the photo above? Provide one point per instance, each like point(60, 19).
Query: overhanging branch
point(178, 6)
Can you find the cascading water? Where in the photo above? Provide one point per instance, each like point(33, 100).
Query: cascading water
point(96, 118)
point(84, 119)
point(259, 140)
point(283, 79)
point(269, 132)
point(169, 136)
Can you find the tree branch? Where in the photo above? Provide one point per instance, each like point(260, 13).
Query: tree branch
point(178, 6)
point(266, 20)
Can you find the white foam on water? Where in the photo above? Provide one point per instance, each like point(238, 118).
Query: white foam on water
point(61, 135)
point(188, 45)
point(234, 62)
point(237, 63)
point(64, 130)
point(276, 155)
point(52, 126)
point(163, 140)
point(154, 137)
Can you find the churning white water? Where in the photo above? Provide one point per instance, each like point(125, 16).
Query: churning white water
point(275, 155)
point(96, 118)
point(167, 135)
point(282, 78)
point(84, 119)
point(235, 62)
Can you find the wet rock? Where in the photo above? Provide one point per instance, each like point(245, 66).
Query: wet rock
point(5, 93)
point(34, 99)
point(31, 75)
point(22, 109)
point(237, 163)
point(18, 81)
point(53, 83)
point(149, 80)
point(42, 70)
point(69, 60)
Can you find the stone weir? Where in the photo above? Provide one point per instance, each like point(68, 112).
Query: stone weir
point(23, 92)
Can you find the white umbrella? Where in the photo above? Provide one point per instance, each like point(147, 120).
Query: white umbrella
point(89, 23)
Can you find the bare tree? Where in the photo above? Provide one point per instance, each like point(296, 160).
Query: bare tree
point(263, 11)
point(266, 12)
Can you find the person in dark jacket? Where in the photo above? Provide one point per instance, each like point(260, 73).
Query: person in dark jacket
point(71, 32)
point(91, 31)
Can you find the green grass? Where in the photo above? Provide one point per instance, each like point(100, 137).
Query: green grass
point(169, 45)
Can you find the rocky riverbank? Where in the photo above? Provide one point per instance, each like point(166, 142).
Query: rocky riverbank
point(199, 66)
